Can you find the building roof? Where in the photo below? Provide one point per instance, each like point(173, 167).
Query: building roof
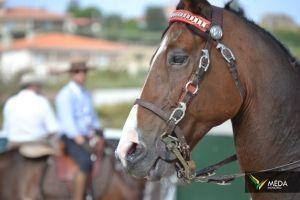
point(23, 13)
point(64, 42)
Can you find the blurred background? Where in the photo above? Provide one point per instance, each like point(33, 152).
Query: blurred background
point(118, 38)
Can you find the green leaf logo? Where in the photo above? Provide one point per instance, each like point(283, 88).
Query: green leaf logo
point(257, 184)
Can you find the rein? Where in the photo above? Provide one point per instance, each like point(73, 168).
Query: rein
point(173, 140)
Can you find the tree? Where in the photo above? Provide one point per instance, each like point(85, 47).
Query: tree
point(88, 12)
point(113, 22)
point(156, 19)
point(131, 24)
point(73, 6)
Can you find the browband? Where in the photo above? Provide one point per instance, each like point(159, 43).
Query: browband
point(189, 18)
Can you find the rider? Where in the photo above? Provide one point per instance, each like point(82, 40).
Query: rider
point(78, 122)
point(28, 116)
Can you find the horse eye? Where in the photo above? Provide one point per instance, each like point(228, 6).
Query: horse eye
point(178, 59)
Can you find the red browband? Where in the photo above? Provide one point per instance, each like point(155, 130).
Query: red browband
point(190, 18)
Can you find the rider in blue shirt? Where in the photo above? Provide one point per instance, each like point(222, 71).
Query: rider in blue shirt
point(75, 111)
point(78, 121)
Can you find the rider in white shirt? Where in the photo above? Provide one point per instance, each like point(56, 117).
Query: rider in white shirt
point(28, 116)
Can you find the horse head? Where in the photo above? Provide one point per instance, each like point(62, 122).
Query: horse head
point(213, 99)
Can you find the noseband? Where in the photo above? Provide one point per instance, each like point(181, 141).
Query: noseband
point(172, 139)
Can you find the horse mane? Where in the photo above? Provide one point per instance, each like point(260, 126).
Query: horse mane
point(241, 14)
point(196, 8)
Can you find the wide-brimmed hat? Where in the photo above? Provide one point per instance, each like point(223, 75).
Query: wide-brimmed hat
point(78, 64)
point(31, 79)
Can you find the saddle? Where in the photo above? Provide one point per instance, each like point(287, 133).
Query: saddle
point(67, 169)
point(29, 150)
point(35, 150)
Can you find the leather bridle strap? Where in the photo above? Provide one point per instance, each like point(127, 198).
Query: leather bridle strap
point(227, 179)
point(208, 171)
point(161, 114)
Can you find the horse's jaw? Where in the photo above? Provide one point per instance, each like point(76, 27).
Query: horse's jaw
point(160, 169)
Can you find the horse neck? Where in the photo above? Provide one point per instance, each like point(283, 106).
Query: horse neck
point(267, 131)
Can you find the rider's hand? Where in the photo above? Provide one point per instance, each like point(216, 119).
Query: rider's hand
point(79, 139)
point(99, 132)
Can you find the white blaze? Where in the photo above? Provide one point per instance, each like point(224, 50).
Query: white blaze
point(129, 133)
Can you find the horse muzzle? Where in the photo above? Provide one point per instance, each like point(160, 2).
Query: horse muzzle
point(134, 153)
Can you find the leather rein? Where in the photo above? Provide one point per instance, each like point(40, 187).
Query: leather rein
point(173, 140)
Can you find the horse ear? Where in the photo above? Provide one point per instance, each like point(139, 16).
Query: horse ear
point(202, 7)
point(193, 4)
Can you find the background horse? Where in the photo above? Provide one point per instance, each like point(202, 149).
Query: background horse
point(23, 178)
point(266, 118)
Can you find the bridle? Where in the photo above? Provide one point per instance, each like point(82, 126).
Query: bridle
point(172, 139)
point(211, 31)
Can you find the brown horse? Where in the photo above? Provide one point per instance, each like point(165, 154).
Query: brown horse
point(23, 178)
point(265, 115)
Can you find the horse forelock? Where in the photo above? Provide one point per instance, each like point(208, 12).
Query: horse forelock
point(200, 7)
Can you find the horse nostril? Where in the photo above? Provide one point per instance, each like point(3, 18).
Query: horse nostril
point(132, 149)
point(135, 152)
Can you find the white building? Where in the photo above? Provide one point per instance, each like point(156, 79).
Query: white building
point(20, 22)
point(52, 52)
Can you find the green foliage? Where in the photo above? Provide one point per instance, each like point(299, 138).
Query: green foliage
point(136, 36)
point(88, 12)
point(73, 6)
point(113, 22)
point(131, 24)
point(156, 19)
point(291, 39)
point(114, 116)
